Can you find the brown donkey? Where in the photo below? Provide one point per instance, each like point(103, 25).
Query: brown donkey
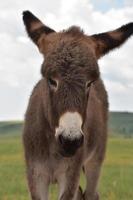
point(66, 120)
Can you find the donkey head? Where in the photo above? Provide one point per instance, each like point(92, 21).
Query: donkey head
point(69, 69)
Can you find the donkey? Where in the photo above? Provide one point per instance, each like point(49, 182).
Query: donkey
point(65, 127)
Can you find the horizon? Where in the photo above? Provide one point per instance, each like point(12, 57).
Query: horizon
point(20, 120)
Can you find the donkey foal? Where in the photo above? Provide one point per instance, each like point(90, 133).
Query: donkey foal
point(66, 121)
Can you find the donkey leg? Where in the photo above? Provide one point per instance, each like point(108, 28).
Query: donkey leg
point(69, 185)
point(79, 194)
point(38, 181)
point(92, 172)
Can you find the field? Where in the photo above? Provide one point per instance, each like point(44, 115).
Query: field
point(117, 174)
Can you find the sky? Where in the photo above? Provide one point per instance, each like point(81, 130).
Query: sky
point(20, 60)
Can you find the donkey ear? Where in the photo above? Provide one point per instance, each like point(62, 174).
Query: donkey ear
point(104, 42)
point(34, 27)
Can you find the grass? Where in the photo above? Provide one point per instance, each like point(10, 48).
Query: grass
point(115, 184)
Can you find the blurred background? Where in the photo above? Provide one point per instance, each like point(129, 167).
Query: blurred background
point(20, 63)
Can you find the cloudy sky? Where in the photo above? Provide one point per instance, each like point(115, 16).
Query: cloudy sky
point(20, 60)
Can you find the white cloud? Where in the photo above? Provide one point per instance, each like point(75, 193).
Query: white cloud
point(20, 61)
point(128, 2)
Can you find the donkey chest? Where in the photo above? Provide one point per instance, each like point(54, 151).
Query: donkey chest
point(55, 167)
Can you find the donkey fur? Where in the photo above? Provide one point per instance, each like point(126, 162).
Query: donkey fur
point(71, 58)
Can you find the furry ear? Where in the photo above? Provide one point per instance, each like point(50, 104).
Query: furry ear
point(34, 27)
point(104, 42)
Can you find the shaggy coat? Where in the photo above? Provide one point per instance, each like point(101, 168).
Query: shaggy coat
point(66, 120)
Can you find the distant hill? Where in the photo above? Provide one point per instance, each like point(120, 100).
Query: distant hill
point(11, 127)
point(119, 123)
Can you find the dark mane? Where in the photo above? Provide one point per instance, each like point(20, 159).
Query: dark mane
point(74, 31)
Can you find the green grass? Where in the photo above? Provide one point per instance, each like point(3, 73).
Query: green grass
point(115, 184)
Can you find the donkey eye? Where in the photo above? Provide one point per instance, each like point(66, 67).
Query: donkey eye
point(52, 82)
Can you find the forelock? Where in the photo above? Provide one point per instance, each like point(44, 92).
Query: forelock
point(75, 31)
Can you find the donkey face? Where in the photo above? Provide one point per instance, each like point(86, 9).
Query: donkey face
point(70, 67)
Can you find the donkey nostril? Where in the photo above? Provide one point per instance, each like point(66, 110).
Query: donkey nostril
point(80, 141)
point(61, 140)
